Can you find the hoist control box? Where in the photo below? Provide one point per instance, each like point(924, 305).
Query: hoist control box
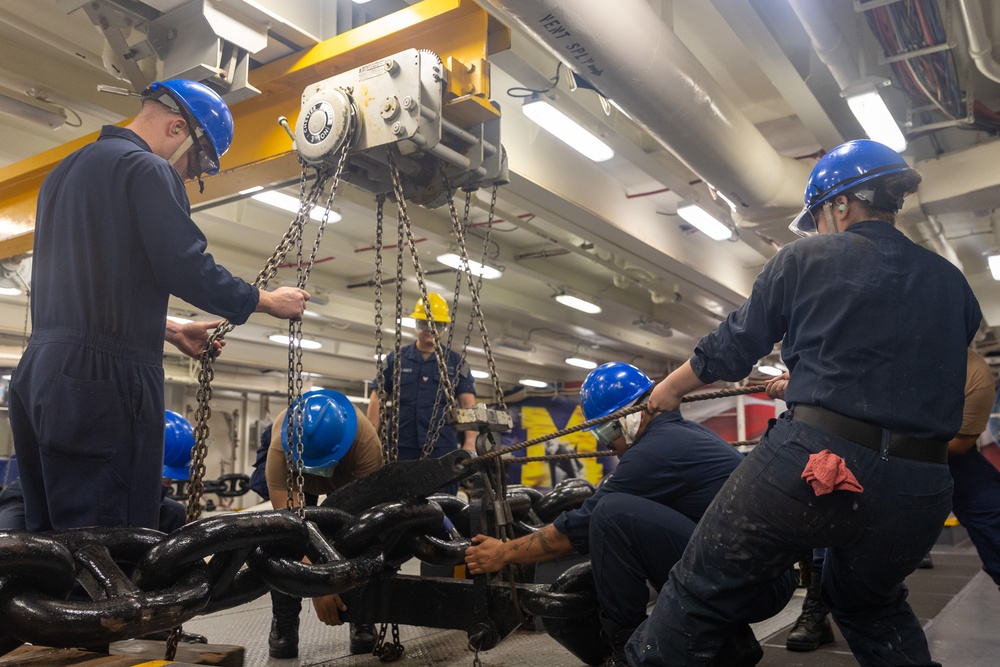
point(398, 103)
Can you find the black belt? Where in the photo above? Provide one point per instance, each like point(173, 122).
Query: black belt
point(870, 436)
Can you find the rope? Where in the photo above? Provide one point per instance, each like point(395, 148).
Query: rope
point(618, 414)
point(593, 455)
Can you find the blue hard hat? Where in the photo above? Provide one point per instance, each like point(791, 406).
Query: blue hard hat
point(206, 108)
point(611, 387)
point(329, 425)
point(178, 441)
point(843, 170)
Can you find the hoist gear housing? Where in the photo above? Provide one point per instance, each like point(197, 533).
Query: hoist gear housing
point(399, 102)
point(439, 309)
point(178, 441)
point(329, 425)
point(611, 387)
point(843, 170)
point(205, 107)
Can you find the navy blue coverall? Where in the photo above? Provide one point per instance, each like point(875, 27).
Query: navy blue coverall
point(113, 240)
point(418, 388)
point(637, 524)
point(875, 328)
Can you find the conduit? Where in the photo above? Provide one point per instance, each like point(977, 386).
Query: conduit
point(980, 45)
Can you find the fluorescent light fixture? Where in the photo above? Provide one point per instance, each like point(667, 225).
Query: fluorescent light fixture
point(408, 322)
point(291, 204)
point(565, 128)
point(249, 191)
point(316, 387)
point(10, 291)
point(31, 109)
point(179, 320)
point(582, 363)
point(6, 377)
point(705, 222)
point(361, 2)
point(480, 375)
point(475, 268)
point(380, 357)
point(579, 304)
point(995, 266)
point(537, 384)
point(767, 369)
point(477, 350)
point(306, 344)
point(870, 110)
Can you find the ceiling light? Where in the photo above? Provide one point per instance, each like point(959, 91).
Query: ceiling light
point(869, 108)
point(179, 320)
point(582, 363)
point(767, 369)
point(475, 268)
point(565, 128)
point(305, 343)
point(705, 222)
point(579, 304)
point(480, 375)
point(31, 109)
point(380, 357)
point(250, 191)
point(291, 204)
point(995, 266)
point(537, 384)
point(477, 350)
point(10, 291)
point(408, 322)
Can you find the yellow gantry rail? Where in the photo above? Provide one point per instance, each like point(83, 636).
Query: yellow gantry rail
point(459, 31)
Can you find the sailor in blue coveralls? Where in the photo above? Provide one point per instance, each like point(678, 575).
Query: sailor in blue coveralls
point(418, 390)
point(113, 240)
point(874, 331)
point(637, 524)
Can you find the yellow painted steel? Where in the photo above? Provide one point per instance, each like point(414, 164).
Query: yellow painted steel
point(459, 31)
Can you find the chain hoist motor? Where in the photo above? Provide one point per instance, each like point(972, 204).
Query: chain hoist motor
point(398, 101)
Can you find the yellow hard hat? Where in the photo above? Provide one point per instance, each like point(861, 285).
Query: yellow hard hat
point(439, 309)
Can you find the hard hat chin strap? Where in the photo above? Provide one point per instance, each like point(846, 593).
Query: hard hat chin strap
point(181, 150)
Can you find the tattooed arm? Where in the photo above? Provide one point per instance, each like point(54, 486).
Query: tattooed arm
point(488, 554)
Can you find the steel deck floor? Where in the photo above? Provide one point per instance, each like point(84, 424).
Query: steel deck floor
point(957, 602)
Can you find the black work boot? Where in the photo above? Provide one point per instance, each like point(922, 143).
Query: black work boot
point(362, 638)
point(616, 637)
point(812, 627)
point(283, 641)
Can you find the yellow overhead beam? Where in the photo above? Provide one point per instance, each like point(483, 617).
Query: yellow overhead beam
point(459, 31)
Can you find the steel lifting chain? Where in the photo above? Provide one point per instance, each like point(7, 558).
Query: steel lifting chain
point(459, 228)
point(295, 383)
point(407, 231)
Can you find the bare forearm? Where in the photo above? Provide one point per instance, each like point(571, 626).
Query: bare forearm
point(960, 444)
point(543, 545)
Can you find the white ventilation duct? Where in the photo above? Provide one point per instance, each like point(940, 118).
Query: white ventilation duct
point(630, 55)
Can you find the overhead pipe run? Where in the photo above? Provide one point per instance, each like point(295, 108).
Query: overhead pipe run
point(829, 44)
point(980, 45)
point(630, 55)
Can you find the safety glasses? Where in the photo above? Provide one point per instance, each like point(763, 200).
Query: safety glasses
point(424, 326)
point(608, 432)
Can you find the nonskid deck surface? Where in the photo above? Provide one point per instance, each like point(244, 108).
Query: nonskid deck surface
point(957, 603)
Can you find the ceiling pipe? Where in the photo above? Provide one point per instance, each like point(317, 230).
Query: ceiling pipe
point(631, 56)
point(829, 44)
point(827, 41)
point(980, 45)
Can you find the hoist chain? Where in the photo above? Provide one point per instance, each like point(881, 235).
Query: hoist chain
point(407, 235)
point(475, 284)
point(295, 369)
point(383, 426)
